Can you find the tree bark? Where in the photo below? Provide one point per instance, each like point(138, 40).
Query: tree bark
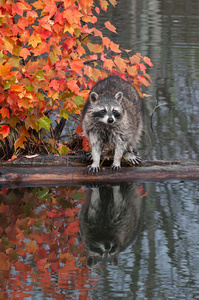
point(65, 170)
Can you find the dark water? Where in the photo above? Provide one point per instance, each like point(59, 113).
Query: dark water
point(47, 240)
point(53, 241)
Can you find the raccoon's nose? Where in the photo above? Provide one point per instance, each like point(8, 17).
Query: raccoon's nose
point(110, 120)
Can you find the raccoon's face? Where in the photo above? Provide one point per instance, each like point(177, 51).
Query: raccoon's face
point(102, 251)
point(107, 111)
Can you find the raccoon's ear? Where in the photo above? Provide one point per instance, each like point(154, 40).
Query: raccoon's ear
point(119, 96)
point(93, 97)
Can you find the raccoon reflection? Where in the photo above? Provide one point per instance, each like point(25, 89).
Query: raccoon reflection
point(109, 221)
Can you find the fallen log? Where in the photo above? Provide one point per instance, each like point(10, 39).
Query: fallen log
point(74, 172)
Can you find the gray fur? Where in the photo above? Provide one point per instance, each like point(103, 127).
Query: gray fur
point(119, 127)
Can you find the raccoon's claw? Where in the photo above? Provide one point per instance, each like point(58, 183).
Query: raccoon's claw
point(115, 168)
point(89, 156)
point(93, 170)
point(133, 159)
point(136, 160)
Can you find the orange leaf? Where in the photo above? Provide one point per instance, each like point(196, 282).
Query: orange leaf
point(143, 80)
point(113, 2)
point(120, 63)
point(108, 64)
point(72, 228)
point(9, 44)
point(19, 143)
point(142, 67)
point(31, 247)
point(4, 130)
point(114, 47)
point(97, 32)
point(17, 88)
point(24, 53)
point(148, 61)
point(106, 41)
point(34, 40)
point(95, 47)
point(110, 27)
point(5, 71)
point(72, 85)
point(135, 59)
point(77, 65)
point(132, 70)
point(103, 4)
point(4, 112)
point(4, 262)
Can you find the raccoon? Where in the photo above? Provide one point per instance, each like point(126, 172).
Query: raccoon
point(112, 116)
point(109, 221)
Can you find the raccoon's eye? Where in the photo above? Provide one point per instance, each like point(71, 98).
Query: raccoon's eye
point(116, 113)
point(103, 111)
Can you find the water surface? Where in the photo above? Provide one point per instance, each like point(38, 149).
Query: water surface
point(51, 249)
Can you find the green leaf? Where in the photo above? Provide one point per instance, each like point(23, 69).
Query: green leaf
point(79, 100)
point(64, 114)
point(40, 74)
point(7, 86)
point(43, 194)
point(77, 195)
point(63, 150)
point(30, 87)
point(44, 122)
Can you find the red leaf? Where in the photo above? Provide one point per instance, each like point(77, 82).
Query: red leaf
point(72, 228)
point(4, 112)
point(97, 10)
point(4, 130)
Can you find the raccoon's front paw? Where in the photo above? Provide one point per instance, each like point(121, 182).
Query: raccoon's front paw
point(115, 168)
point(93, 169)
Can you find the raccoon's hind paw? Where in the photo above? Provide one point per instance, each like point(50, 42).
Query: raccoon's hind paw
point(115, 168)
point(93, 169)
point(133, 159)
point(89, 156)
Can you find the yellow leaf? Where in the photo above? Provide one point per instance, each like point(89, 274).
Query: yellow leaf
point(35, 40)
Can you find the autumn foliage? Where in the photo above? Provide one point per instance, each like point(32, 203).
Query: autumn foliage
point(39, 230)
point(49, 59)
